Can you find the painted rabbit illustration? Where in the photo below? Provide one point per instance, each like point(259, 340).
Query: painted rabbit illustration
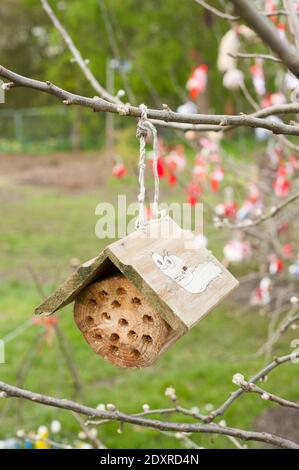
point(194, 280)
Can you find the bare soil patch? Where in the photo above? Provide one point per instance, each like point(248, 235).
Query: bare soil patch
point(66, 171)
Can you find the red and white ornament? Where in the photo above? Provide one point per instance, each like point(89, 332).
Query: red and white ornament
point(197, 81)
point(119, 170)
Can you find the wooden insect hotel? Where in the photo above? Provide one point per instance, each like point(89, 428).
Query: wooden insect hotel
point(141, 294)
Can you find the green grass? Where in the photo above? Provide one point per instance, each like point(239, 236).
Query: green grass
point(42, 230)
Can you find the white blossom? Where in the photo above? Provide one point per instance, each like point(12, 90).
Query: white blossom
point(20, 433)
point(145, 407)
point(194, 410)
point(101, 407)
point(265, 396)
point(209, 407)
point(170, 393)
point(111, 407)
point(238, 379)
point(55, 426)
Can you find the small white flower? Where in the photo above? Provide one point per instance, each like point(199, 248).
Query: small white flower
point(294, 300)
point(238, 379)
point(20, 433)
point(179, 435)
point(3, 395)
point(93, 432)
point(209, 407)
point(145, 407)
point(101, 407)
point(194, 410)
point(171, 393)
point(222, 423)
point(111, 407)
point(55, 426)
point(119, 431)
point(42, 431)
point(121, 93)
point(87, 61)
point(82, 435)
point(294, 327)
point(265, 396)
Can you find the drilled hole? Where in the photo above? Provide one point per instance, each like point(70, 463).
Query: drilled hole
point(98, 336)
point(147, 319)
point(123, 322)
point(135, 353)
point(114, 337)
point(89, 320)
point(132, 335)
point(147, 339)
point(115, 304)
point(114, 350)
point(121, 291)
point(103, 294)
point(136, 301)
point(92, 303)
point(106, 316)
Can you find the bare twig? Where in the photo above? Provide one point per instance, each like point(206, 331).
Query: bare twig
point(281, 329)
point(242, 55)
point(253, 223)
point(260, 375)
point(115, 49)
point(95, 442)
point(252, 388)
point(11, 391)
point(217, 12)
point(77, 55)
point(292, 20)
point(267, 32)
point(161, 117)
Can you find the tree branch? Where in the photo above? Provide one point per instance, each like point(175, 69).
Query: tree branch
point(11, 391)
point(217, 12)
point(267, 32)
point(255, 56)
point(77, 55)
point(260, 375)
point(253, 223)
point(162, 117)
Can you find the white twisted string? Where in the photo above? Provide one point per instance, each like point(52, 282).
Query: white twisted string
point(143, 127)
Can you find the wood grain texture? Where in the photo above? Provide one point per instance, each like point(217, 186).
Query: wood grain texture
point(119, 324)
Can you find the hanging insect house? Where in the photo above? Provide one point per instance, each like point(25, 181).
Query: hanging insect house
point(146, 290)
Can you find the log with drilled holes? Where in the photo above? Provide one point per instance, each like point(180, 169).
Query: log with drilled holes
point(119, 324)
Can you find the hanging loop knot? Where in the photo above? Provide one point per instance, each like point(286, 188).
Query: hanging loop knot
point(145, 127)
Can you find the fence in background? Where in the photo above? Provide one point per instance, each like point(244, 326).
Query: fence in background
point(50, 128)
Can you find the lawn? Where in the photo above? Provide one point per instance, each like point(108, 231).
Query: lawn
point(42, 229)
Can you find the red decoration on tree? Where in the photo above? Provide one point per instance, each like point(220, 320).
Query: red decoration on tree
point(216, 178)
point(197, 81)
point(119, 170)
point(275, 264)
point(282, 184)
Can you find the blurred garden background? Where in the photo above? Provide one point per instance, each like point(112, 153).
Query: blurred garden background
point(57, 163)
